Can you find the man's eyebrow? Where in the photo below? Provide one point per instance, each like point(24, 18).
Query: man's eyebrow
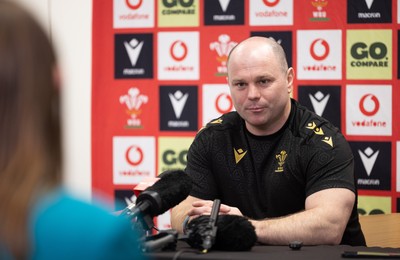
point(238, 80)
point(263, 76)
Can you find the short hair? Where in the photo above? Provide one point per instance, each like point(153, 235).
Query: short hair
point(276, 47)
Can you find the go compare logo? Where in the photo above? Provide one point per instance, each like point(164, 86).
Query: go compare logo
point(369, 54)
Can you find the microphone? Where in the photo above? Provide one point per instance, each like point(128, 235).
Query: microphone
point(212, 228)
point(234, 233)
point(172, 188)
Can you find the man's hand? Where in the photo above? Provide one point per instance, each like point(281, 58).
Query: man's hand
point(194, 207)
point(204, 207)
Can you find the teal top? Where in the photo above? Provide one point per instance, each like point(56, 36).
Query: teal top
point(64, 227)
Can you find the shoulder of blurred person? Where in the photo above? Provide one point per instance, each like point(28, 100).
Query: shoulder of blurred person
point(66, 227)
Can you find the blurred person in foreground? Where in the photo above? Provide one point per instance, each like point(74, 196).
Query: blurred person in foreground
point(286, 169)
point(38, 218)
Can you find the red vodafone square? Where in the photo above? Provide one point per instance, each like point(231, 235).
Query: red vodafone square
point(319, 54)
point(178, 55)
point(271, 12)
point(133, 159)
point(133, 14)
point(369, 110)
point(217, 100)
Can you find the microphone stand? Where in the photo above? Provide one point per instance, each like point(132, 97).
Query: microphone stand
point(141, 223)
point(164, 240)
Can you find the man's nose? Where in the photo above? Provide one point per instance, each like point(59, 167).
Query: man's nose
point(254, 92)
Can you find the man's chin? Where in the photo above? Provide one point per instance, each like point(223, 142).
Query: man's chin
point(257, 124)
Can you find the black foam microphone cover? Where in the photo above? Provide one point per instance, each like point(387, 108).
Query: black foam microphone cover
point(172, 188)
point(234, 233)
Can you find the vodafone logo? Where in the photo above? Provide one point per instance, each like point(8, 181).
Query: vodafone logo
point(369, 105)
point(181, 55)
point(134, 4)
point(271, 12)
point(133, 13)
point(271, 3)
point(319, 54)
point(178, 50)
point(319, 49)
point(134, 155)
point(223, 103)
point(133, 159)
point(366, 113)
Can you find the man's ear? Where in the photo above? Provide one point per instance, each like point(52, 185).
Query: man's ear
point(289, 79)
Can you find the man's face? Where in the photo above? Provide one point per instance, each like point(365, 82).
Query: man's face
point(260, 88)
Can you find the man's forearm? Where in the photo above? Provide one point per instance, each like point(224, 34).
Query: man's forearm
point(179, 213)
point(309, 227)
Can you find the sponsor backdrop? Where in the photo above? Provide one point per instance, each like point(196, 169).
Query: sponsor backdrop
point(159, 74)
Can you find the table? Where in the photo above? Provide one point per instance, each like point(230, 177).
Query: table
point(268, 252)
point(381, 230)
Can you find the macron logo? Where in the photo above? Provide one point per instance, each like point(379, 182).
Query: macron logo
point(133, 48)
point(369, 3)
point(368, 157)
point(178, 101)
point(277, 40)
point(224, 4)
point(319, 102)
point(239, 154)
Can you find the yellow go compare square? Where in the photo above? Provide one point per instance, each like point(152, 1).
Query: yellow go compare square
point(369, 54)
point(178, 13)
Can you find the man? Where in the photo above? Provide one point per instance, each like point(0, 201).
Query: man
point(273, 161)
